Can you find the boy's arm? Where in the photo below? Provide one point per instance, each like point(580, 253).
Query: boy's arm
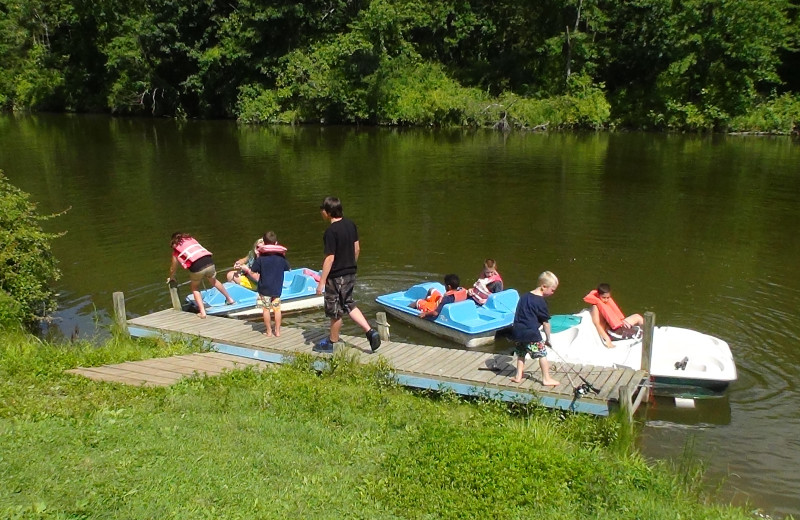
point(546, 328)
point(255, 274)
point(172, 268)
point(357, 248)
point(326, 270)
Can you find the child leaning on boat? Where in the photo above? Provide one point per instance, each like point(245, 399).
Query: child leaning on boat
point(531, 313)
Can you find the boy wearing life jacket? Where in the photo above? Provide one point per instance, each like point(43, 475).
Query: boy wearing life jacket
point(267, 270)
point(607, 317)
point(487, 283)
point(532, 312)
point(454, 293)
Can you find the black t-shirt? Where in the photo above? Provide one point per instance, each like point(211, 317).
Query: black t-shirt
point(339, 240)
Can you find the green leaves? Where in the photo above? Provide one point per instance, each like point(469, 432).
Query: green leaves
point(692, 65)
point(27, 266)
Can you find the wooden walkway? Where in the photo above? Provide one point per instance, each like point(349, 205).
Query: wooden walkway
point(167, 371)
point(420, 366)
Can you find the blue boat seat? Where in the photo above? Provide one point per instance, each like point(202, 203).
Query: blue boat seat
point(504, 301)
point(460, 312)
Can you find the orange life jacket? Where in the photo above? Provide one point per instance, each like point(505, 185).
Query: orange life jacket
point(430, 302)
point(608, 309)
point(188, 251)
point(459, 294)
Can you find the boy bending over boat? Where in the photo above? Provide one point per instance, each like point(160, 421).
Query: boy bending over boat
point(607, 317)
point(532, 312)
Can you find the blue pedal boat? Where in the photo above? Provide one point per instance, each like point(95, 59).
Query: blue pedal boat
point(466, 322)
point(299, 293)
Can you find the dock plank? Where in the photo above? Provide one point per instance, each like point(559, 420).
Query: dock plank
point(424, 365)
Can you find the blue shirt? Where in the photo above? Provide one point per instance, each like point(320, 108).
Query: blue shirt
point(271, 268)
point(531, 312)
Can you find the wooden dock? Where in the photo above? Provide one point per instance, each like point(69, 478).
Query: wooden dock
point(465, 372)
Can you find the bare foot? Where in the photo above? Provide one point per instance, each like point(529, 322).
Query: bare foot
point(201, 316)
point(550, 382)
point(515, 380)
point(277, 333)
point(267, 333)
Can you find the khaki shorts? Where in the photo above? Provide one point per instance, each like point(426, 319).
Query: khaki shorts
point(209, 271)
point(268, 302)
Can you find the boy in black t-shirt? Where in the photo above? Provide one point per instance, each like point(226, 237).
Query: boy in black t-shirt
point(341, 247)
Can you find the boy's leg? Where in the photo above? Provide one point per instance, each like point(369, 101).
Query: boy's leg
point(267, 322)
point(547, 380)
point(357, 316)
point(277, 310)
point(221, 288)
point(520, 370)
point(198, 299)
point(336, 326)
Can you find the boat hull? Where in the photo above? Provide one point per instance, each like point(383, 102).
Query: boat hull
point(683, 361)
point(299, 293)
point(465, 322)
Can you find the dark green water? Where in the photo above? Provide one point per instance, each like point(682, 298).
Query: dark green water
point(703, 231)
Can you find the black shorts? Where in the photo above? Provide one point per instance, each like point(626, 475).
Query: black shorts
point(339, 296)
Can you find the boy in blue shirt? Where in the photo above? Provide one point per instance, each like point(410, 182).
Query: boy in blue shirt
point(268, 271)
point(532, 312)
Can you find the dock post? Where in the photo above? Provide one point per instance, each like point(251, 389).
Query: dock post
point(383, 326)
point(120, 316)
point(647, 340)
point(173, 295)
point(626, 403)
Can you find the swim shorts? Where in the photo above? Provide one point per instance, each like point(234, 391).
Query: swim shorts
point(536, 350)
point(268, 302)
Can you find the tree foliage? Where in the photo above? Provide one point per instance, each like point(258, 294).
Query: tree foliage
point(27, 265)
point(697, 64)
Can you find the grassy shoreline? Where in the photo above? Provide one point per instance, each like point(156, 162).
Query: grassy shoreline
point(287, 442)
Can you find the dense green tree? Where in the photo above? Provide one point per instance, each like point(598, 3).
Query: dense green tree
point(696, 64)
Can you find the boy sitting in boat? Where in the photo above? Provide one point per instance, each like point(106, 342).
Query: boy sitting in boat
point(488, 282)
point(608, 319)
point(454, 293)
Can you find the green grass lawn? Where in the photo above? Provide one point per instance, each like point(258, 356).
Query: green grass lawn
point(291, 443)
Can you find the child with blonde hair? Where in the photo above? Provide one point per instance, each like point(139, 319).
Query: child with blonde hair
point(532, 312)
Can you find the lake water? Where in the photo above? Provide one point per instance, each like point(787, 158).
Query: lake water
point(702, 231)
